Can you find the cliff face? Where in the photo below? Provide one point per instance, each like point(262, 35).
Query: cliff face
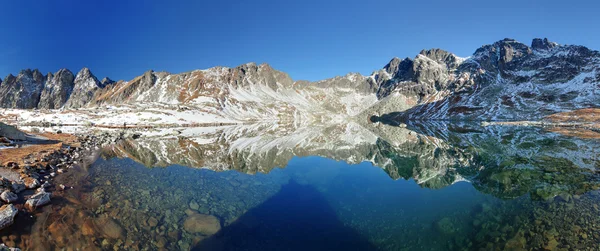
point(22, 91)
point(505, 80)
point(57, 90)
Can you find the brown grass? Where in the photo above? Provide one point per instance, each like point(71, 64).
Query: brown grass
point(37, 150)
point(18, 155)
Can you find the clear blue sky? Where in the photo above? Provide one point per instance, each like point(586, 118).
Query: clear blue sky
point(307, 39)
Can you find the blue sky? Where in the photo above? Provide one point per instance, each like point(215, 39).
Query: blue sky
point(308, 39)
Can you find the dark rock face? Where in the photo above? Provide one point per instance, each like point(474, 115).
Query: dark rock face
point(22, 91)
point(58, 89)
point(542, 44)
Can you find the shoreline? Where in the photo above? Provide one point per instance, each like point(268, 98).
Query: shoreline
point(31, 170)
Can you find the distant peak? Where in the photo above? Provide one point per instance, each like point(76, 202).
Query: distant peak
point(106, 81)
point(542, 44)
point(395, 64)
point(25, 72)
point(63, 71)
point(265, 65)
point(84, 72)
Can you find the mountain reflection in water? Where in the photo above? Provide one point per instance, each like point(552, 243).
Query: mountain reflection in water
point(350, 187)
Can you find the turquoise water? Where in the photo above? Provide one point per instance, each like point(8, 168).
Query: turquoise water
point(314, 203)
point(467, 188)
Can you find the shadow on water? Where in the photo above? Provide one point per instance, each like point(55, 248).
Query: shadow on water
point(297, 218)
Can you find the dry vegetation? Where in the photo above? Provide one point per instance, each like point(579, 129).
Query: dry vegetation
point(37, 150)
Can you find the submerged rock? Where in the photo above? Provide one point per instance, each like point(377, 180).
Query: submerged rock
point(194, 205)
point(37, 200)
point(7, 215)
point(110, 228)
point(202, 223)
point(446, 226)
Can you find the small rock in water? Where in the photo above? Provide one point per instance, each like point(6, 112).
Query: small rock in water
point(62, 187)
point(194, 205)
point(152, 222)
point(37, 200)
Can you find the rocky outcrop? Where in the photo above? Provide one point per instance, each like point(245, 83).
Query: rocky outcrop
point(22, 91)
point(542, 44)
point(57, 90)
point(11, 132)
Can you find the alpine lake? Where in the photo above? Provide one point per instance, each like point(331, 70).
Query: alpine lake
point(344, 187)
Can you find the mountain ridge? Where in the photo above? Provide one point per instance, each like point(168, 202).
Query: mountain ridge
point(500, 81)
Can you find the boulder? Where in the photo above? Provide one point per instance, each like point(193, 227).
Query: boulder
point(202, 223)
point(110, 228)
point(7, 215)
point(8, 196)
point(37, 200)
point(18, 187)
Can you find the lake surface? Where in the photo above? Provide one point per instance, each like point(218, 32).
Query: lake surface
point(348, 187)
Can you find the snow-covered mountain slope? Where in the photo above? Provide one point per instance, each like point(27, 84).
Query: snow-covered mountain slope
point(506, 80)
point(512, 81)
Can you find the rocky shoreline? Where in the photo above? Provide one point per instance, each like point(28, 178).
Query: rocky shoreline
point(30, 185)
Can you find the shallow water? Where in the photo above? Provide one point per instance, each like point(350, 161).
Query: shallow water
point(435, 187)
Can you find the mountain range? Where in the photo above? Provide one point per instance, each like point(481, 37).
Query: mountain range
point(506, 80)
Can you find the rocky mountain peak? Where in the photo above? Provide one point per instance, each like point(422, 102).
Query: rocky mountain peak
point(9, 78)
point(442, 57)
point(25, 72)
point(85, 73)
point(64, 71)
point(400, 68)
point(38, 76)
point(542, 44)
point(57, 90)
